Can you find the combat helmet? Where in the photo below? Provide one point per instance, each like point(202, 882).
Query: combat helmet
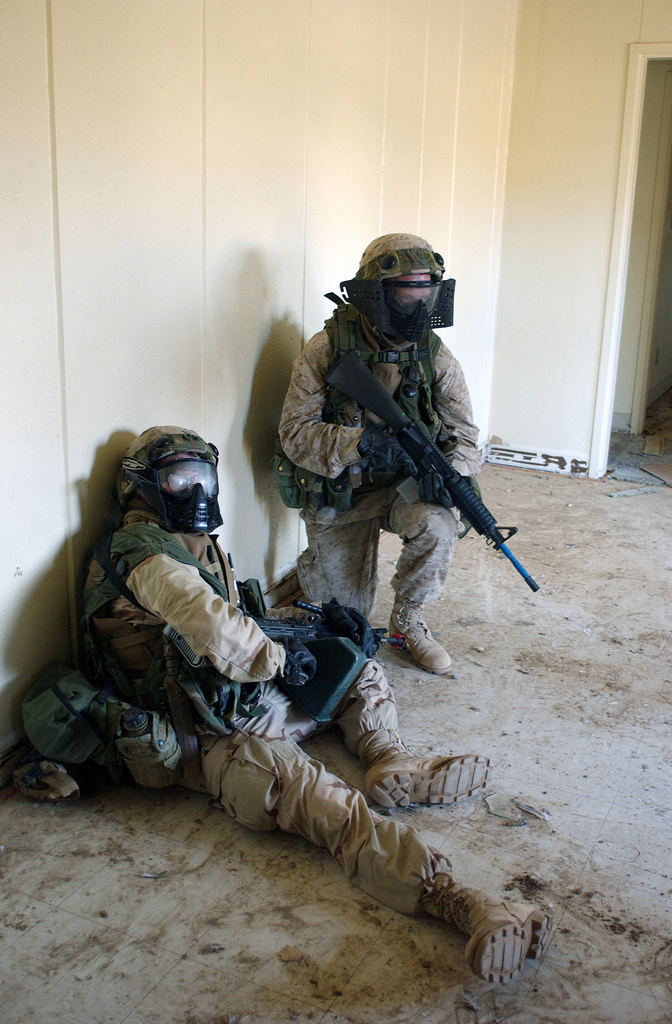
point(382, 292)
point(175, 471)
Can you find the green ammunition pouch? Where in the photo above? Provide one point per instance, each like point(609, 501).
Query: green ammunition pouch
point(251, 598)
point(299, 487)
point(284, 474)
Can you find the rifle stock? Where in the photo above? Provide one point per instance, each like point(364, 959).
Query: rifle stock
point(356, 380)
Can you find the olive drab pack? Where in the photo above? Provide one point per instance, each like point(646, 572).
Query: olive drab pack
point(298, 486)
point(67, 718)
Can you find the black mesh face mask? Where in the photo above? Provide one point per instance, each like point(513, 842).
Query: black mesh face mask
point(402, 309)
point(411, 304)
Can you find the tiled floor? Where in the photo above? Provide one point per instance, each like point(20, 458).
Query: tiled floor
point(637, 458)
point(152, 908)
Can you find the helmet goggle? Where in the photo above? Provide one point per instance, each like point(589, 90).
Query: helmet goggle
point(178, 479)
point(407, 298)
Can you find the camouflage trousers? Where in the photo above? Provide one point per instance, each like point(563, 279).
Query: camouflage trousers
point(341, 559)
point(262, 778)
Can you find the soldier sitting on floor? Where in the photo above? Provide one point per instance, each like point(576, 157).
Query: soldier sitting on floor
point(161, 584)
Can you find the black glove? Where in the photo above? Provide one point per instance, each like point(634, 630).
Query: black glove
point(350, 623)
point(300, 664)
point(433, 490)
point(382, 452)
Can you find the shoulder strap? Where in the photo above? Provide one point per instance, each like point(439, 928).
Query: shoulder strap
point(139, 541)
point(102, 556)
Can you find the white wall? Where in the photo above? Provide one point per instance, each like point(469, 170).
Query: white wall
point(660, 357)
point(181, 182)
point(35, 579)
point(567, 121)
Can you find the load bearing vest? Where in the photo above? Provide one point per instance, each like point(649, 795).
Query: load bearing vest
point(109, 653)
point(298, 486)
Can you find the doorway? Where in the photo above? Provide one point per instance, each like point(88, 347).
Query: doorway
point(624, 368)
point(645, 352)
point(645, 459)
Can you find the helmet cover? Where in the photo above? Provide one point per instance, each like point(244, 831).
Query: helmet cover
point(175, 471)
point(397, 254)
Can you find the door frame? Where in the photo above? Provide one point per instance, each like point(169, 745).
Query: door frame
point(639, 57)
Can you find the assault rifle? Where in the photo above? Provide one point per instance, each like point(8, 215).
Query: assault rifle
point(251, 602)
point(318, 629)
point(351, 376)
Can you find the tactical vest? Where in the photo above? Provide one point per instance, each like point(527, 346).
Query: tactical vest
point(137, 658)
point(300, 487)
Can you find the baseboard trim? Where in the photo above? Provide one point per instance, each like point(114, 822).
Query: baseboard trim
point(281, 587)
point(525, 458)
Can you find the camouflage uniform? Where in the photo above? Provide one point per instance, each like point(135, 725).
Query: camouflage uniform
point(397, 296)
point(341, 558)
point(253, 765)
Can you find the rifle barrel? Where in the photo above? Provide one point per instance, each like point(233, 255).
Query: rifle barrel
point(521, 568)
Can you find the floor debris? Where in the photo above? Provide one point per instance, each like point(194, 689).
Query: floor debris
point(544, 815)
point(663, 471)
point(290, 954)
point(631, 491)
point(501, 805)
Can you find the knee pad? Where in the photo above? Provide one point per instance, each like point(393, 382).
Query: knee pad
point(247, 775)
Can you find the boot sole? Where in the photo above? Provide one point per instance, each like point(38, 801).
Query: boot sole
point(462, 777)
point(540, 926)
point(500, 955)
point(433, 671)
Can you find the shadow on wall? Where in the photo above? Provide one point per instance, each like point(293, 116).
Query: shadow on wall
point(270, 381)
point(37, 635)
point(98, 508)
point(253, 352)
point(42, 629)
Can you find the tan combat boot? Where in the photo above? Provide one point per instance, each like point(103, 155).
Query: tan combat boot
point(502, 934)
point(397, 778)
point(406, 618)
